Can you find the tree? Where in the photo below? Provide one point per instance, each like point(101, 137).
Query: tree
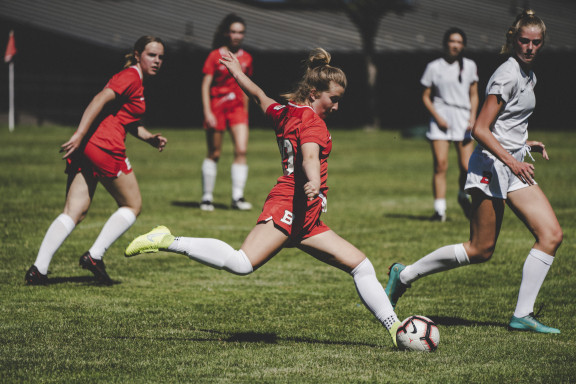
point(366, 16)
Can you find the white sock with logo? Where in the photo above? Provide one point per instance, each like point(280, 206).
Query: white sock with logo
point(372, 293)
point(58, 231)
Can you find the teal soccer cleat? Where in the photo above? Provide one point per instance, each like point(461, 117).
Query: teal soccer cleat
point(529, 323)
point(395, 289)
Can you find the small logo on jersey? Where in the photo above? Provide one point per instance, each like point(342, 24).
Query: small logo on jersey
point(279, 107)
point(486, 177)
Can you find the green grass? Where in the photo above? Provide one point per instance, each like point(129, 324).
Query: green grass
point(295, 320)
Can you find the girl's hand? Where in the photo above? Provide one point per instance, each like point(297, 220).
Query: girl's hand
point(158, 141)
point(210, 120)
point(231, 62)
point(312, 190)
point(539, 147)
point(442, 124)
point(71, 145)
point(524, 171)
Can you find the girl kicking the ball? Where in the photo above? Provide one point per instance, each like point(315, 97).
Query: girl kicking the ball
point(291, 213)
point(498, 175)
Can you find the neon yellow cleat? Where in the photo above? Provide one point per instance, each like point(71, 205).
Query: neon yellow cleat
point(156, 240)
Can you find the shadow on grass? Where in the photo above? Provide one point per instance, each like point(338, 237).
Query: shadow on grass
point(88, 280)
point(196, 204)
point(255, 337)
point(409, 217)
point(456, 321)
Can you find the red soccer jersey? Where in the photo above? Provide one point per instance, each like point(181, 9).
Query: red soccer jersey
point(296, 125)
point(223, 83)
point(129, 109)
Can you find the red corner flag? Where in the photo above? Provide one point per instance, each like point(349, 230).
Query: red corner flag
point(10, 48)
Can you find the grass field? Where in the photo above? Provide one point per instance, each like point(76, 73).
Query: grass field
point(295, 320)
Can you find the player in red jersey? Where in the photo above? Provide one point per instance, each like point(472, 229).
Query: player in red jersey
point(96, 152)
point(225, 107)
point(291, 214)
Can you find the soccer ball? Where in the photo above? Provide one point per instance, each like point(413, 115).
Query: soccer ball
point(417, 333)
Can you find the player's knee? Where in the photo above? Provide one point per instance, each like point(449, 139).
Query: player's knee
point(479, 255)
point(238, 264)
point(552, 239)
point(441, 167)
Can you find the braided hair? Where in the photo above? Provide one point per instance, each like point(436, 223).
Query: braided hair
point(460, 57)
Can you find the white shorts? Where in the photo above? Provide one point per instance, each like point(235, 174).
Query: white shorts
point(491, 176)
point(457, 120)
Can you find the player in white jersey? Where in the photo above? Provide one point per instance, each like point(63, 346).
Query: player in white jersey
point(451, 96)
point(498, 176)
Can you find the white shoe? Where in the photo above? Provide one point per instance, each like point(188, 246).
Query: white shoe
point(207, 205)
point(241, 205)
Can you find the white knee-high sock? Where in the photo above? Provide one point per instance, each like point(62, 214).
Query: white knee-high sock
point(239, 173)
point(58, 231)
point(535, 269)
point(117, 224)
point(213, 253)
point(440, 206)
point(442, 259)
point(209, 172)
point(372, 293)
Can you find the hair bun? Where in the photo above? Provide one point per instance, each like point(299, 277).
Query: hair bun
point(318, 57)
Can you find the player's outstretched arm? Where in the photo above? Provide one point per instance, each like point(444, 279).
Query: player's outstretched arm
point(248, 86)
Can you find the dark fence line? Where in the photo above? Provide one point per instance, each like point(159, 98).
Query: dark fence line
point(56, 77)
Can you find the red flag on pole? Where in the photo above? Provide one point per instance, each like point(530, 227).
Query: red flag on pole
point(10, 48)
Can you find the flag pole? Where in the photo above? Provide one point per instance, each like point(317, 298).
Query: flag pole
point(8, 58)
point(11, 96)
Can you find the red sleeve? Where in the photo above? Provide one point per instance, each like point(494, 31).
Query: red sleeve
point(209, 65)
point(249, 65)
point(125, 82)
point(313, 130)
point(274, 112)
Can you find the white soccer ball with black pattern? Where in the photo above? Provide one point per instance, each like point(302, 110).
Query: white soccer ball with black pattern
point(417, 333)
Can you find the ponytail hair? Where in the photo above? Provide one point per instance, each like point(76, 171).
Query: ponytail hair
point(460, 57)
point(140, 46)
point(526, 18)
point(319, 74)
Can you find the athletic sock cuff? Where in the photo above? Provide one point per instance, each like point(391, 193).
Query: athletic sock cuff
point(67, 222)
point(542, 256)
point(461, 255)
point(127, 214)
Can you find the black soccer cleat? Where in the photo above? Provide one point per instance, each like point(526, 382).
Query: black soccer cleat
point(97, 267)
point(34, 277)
